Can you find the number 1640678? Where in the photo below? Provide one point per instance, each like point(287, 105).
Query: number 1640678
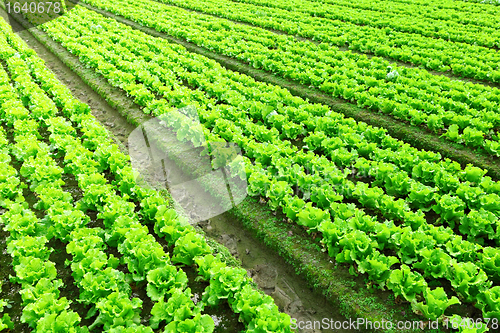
point(33, 7)
point(470, 323)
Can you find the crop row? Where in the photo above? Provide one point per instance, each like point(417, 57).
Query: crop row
point(312, 217)
point(459, 6)
point(102, 286)
point(471, 15)
point(27, 234)
point(465, 113)
point(36, 273)
point(443, 29)
point(144, 257)
point(390, 42)
point(463, 59)
point(488, 2)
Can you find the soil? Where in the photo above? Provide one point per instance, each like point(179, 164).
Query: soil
point(268, 270)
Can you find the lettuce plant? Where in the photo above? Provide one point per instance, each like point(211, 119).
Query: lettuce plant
point(378, 267)
point(224, 284)
point(462, 250)
point(32, 269)
point(365, 223)
point(489, 302)
point(164, 280)
point(29, 246)
point(178, 307)
point(490, 263)
point(188, 247)
point(434, 262)
point(312, 217)
point(356, 247)
point(209, 265)
point(410, 243)
point(293, 206)
point(198, 324)
point(490, 202)
point(47, 303)
point(269, 319)
point(478, 225)
point(99, 284)
point(446, 181)
point(171, 226)
point(247, 302)
point(471, 195)
point(63, 322)
point(142, 253)
point(324, 195)
point(474, 174)
point(468, 280)
point(368, 196)
point(435, 304)
point(406, 283)
point(451, 208)
point(276, 193)
point(333, 232)
point(32, 293)
point(117, 310)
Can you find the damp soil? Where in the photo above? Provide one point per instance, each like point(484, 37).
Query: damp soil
point(269, 271)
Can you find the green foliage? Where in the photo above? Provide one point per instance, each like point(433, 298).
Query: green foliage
point(188, 247)
point(451, 208)
point(378, 267)
point(32, 269)
point(170, 226)
point(478, 225)
point(406, 283)
point(434, 262)
point(178, 308)
point(312, 217)
point(468, 280)
point(65, 321)
point(488, 302)
point(198, 324)
point(224, 284)
point(46, 302)
point(117, 310)
point(142, 253)
point(436, 302)
point(164, 280)
point(356, 247)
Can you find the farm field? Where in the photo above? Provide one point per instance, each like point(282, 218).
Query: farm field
point(249, 166)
